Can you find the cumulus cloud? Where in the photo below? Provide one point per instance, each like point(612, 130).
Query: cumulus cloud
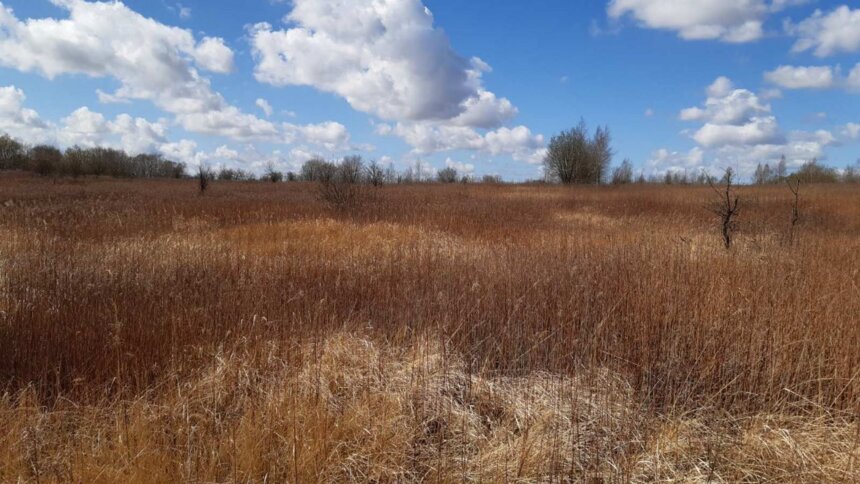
point(152, 61)
point(726, 105)
point(826, 34)
point(21, 122)
point(265, 107)
point(184, 151)
point(734, 21)
point(851, 131)
point(228, 121)
point(330, 135)
point(814, 77)
point(739, 130)
point(426, 138)
point(385, 58)
point(791, 77)
point(732, 116)
point(663, 161)
point(853, 80)
point(756, 131)
point(462, 168)
point(87, 128)
point(213, 55)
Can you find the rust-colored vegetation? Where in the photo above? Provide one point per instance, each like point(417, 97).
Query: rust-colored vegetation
point(431, 333)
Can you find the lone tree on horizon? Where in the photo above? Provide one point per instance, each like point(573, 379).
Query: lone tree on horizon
point(575, 156)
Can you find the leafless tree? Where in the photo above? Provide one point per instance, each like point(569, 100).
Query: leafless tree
point(272, 174)
point(375, 174)
point(203, 177)
point(447, 175)
point(726, 206)
point(340, 184)
point(794, 186)
point(623, 174)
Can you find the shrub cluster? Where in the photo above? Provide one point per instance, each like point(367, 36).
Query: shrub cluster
point(576, 156)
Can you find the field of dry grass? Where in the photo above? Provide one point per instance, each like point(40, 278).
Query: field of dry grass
point(436, 333)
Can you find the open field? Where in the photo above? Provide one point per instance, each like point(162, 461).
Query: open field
point(435, 333)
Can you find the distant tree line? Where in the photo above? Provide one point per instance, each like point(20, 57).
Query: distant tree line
point(809, 172)
point(354, 170)
point(578, 156)
point(74, 162)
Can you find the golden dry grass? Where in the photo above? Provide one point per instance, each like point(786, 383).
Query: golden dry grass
point(436, 333)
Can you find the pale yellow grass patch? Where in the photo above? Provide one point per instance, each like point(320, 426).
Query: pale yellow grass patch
point(359, 411)
point(588, 219)
point(345, 241)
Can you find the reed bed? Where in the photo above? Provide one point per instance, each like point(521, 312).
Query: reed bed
point(433, 333)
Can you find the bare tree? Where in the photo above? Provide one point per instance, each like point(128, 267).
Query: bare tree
point(447, 175)
point(45, 159)
point(340, 184)
point(272, 174)
point(375, 174)
point(351, 169)
point(623, 175)
point(794, 186)
point(203, 177)
point(726, 206)
point(12, 153)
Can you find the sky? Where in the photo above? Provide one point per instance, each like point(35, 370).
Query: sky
point(481, 86)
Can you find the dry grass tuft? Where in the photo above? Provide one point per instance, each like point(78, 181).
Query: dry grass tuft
point(358, 411)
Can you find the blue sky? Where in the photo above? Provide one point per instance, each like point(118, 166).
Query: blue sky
point(479, 85)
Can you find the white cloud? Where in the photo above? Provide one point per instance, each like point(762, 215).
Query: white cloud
point(265, 107)
point(228, 121)
point(384, 57)
point(138, 135)
point(828, 34)
point(851, 131)
point(21, 122)
point(770, 93)
point(184, 151)
point(663, 160)
point(184, 12)
point(213, 55)
point(649, 113)
point(853, 80)
point(732, 117)
point(733, 21)
point(791, 77)
point(84, 128)
point(89, 129)
point(740, 132)
point(755, 131)
point(814, 77)
point(152, 61)
point(224, 152)
point(330, 135)
point(462, 168)
point(518, 142)
point(726, 105)
point(721, 87)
